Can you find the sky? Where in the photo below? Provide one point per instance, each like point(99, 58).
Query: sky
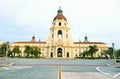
point(98, 19)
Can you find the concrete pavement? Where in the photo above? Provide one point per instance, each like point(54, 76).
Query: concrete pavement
point(86, 75)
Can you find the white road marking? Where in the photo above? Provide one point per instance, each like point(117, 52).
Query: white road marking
point(108, 73)
point(15, 67)
point(117, 75)
point(6, 68)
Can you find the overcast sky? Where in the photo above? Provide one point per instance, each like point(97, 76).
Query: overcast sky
point(99, 19)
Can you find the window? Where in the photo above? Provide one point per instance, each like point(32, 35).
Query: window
point(66, 35)
point(65, 24)
point(67, 54)
point(51, 55)
point(59, 34)
point(59, 23)
point(43, 49)
point(52, 35)
point(51, 49)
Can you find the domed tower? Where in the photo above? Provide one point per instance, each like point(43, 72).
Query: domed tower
point(60, 15)
point(86, 38)
point(60, 37)
point(33, 39)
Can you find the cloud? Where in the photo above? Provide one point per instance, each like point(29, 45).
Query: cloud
point(97, 18)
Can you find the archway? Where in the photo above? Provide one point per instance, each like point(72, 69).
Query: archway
point(59, 52)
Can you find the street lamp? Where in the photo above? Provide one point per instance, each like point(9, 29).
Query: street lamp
point(114, 57)
point(7, 46)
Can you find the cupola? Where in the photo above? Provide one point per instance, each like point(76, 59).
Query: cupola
point(60, 15)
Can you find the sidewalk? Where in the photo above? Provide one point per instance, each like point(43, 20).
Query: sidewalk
point(86, 75)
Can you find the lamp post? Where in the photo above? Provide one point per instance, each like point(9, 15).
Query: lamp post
point(114, 56)
point(79, 47)
point(6, 60)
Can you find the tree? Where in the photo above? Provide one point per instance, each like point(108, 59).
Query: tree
point(84, 54)
point(118, 53)
point(89, 51)
point(16, 50)
point(33, 51)
point(92, 50)
point(10, 53)
point(1, 52)
point(27, 51)
point(108, 52)
point(3, 49)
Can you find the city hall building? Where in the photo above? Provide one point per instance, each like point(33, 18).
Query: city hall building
point(59, 43)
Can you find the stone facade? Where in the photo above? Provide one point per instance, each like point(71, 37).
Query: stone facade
point(59, 42)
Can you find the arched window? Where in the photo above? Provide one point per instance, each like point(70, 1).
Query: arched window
point(59, 34)
point(59, 23)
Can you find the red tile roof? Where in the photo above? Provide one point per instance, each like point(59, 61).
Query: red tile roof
point(89, 43)
point(74, 42)
point(32, 42)
point(60, 17)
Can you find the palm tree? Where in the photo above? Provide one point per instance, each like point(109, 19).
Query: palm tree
point(85, 54)
point(92, 50)
point(89, 51)
point(108, 52)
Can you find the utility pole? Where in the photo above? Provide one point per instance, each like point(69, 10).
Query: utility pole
point(114, 55)
point(6, 58)
point(79, 46)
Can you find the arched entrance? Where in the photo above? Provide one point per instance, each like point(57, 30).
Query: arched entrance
point(59, 52)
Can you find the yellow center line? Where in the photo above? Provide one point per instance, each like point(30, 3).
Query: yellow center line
point(59, 73)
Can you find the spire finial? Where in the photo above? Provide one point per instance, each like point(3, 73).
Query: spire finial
point(59, 7)
point(59, 11)
point(79, 39)
point(33, 35)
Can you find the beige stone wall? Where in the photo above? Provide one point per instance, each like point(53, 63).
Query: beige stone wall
point(59, 40)
point(73, 50)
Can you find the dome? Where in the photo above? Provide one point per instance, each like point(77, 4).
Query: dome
point(60, 15)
